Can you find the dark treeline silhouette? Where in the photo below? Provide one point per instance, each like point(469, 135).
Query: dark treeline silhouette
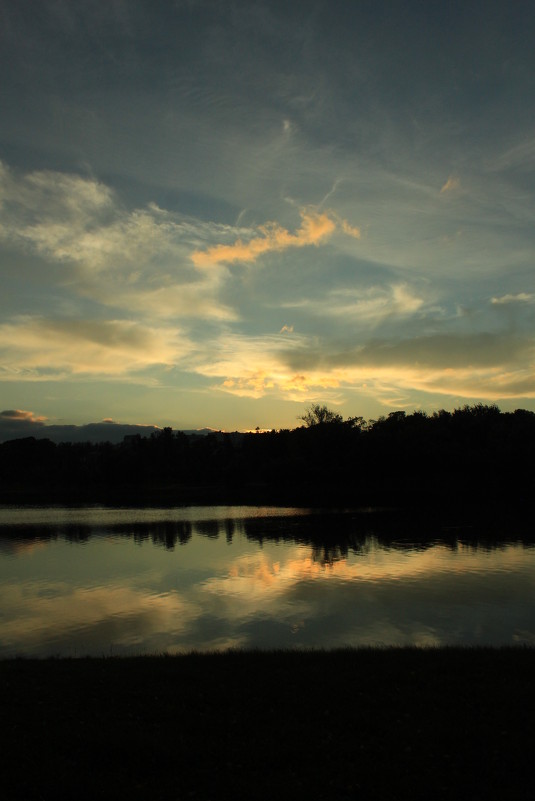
point(474, 455)
point(330, 535)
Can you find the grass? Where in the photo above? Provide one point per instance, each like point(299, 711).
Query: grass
point(372, 724)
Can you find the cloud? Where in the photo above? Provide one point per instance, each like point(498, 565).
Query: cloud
point(55, 348)
point(16, 423)
point(521, 155)
point(251, 367)
point(22, 416)
point(448, 351)
point(316, 228)
point(520, 297)
point(370, 305)
point(350, 230)
point(451, 184)
point(135, 259)
point(179, 300)
point(478, 366)
point(98, 259)
point(287, 126)
point(51, 194)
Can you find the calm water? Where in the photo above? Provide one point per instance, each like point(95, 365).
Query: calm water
point(117, 581)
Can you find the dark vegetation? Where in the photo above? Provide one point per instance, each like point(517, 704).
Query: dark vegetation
point(473, 455)
point(392, 724)
point(330, 535)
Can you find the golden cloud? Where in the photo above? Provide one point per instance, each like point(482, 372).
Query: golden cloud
point(92, 347)
point(302, 369)
point(316, 227)
point(350, 230)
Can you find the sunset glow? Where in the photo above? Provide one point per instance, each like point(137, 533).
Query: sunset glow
point(212, 215)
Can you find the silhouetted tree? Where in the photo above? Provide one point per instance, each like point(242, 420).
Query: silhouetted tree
point(473, 455)
point(318, 415)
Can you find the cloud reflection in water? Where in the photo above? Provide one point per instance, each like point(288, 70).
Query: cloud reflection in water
point(215, 592)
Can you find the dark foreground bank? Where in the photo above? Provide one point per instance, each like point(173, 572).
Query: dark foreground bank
point(455, 724)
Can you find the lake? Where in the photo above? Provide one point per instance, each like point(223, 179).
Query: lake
point(114, 581)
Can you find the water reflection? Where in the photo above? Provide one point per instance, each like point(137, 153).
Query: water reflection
point(78, 581)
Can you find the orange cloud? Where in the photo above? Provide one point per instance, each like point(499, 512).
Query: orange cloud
point(293, 368)
point(315, 228)
point(252, 385)
point(294, 386)
point(304, 383)
point(21, 415)
point(451, 184)
point(350, 230)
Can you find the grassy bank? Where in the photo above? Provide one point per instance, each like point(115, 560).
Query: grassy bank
point(369, 724)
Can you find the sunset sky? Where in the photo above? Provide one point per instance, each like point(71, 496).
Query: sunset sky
point(217, 213)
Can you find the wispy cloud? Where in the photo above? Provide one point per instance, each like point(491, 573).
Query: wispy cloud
point(174, 300)
point(371, 305)
point(52, 194)
point(520, 155)
point(129, 259)
point(451, 184)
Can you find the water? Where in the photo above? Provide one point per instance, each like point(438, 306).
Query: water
point(106, 581)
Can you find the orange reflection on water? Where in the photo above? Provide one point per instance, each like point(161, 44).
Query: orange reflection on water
point(257, 575)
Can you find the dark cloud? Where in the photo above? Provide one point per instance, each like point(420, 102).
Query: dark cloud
point(16, 423)
point(19, 414)
point(449, 351)
point(439, 351)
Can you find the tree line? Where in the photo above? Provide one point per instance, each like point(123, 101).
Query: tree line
point(475, 454)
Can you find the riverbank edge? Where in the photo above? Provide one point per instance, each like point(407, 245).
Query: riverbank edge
point(386, 722)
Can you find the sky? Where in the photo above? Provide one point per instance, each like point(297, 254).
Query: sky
point(218, 213)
